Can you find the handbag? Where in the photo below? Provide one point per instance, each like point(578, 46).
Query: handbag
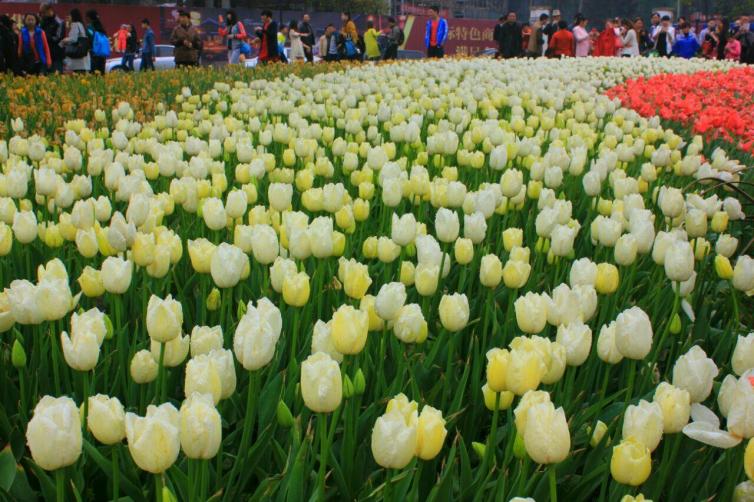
point(78, 49)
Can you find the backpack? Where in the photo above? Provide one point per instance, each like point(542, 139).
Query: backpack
point(101, 45)
point(401, 37)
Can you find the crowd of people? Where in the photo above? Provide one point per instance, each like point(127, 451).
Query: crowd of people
point(45, 43)
point(555, 37)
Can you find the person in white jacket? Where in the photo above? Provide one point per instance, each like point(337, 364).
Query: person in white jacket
point(664, 37)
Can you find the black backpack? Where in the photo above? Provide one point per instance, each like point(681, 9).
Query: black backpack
point(401, 37)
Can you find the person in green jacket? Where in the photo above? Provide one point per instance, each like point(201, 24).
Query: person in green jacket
point(370, 43)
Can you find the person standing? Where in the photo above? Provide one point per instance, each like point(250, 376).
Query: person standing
point(733, 49)
point(99, 42)
point(561, 44)
point(76, 44)
point(132, 47)
point(581, 37)
point(645, 41)
point(608, 43)
point(629, 40)
point(147, 47)
point(235, 34)
point(510, 37)
point(371, 46)
point(268, 36)
point(350, 37)
point(307, 37)
point(394, 39)
point(435, 33)
point(686, 45)
point(54, 31)
point(297, 52)
point(8, 45)
point(186, 41)
point(328, 44)
point(654, 24)
point(33, 50)
point(537, 40)
point(552, 28)
point(664, 37)
point(746, 37)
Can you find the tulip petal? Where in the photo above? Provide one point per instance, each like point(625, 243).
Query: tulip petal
point(705, 433)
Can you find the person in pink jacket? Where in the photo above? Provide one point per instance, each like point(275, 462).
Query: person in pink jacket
point(733, 49)
point(581, 37)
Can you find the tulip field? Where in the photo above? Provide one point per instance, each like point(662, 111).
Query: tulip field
point(466, 279)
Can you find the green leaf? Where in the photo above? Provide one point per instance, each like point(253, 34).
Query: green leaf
point(7, 468)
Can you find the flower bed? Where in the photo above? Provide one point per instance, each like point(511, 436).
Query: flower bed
point(430, 281)
point(715, 104)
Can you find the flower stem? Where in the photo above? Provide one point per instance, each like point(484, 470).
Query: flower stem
point(322, 426)
point(116, 472)
point(60, 484)
point(553, 483)
point(161, 390)
point(158, 487)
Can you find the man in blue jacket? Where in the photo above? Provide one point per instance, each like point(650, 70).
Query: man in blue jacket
point(147, 47)
point(686, 45)
point(435, 34)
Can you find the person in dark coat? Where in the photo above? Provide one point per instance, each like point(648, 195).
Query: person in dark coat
point(307, 37)
point(54, 30)
point(187, 42)
point(268, 38)
point(510, 42)
point(8, 46)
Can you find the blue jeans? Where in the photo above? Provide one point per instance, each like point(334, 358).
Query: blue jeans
point(128, 61)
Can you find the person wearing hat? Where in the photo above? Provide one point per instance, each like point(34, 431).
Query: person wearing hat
point(551, 28)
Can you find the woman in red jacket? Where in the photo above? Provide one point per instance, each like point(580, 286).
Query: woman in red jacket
point(562, 43)
point(33, 51)
point(607, 43)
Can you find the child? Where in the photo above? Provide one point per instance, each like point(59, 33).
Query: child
point(733, 49)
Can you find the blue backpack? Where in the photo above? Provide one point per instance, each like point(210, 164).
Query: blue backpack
point(101, 45)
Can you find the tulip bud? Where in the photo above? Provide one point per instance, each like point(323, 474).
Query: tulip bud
point(695, 372)
point(631, 462)
point(744, 492)
point(490, 271)
point(479, 449)
point(675, 405)
point(463, 251)
point(349, 329)
point(54, 433)
point(743, 273)
point(160, 426)
point(519, 447)
point(547, 438)
point(503, 402)
point(283, 414)
point(213, 300)
point(675, 324)
point(106, 419)
point(390, 299)
point(497, 367)
point(598, 433)
point(531, 312)
point(454, 311)
point(359, 383)
point(608, 279)
point(321, 383)
point(18, 355)
point(143, 367)
point(743, 354)
point(644, 422)
point(430, 433)
point(633, 333)
point(296, 289)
